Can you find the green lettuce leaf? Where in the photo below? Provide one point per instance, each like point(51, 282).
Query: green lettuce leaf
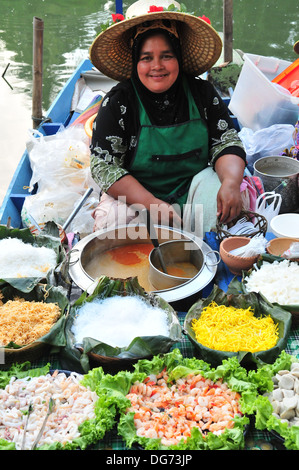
point(177, 366)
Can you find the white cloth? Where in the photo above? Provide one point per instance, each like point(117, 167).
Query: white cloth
point(201, 206)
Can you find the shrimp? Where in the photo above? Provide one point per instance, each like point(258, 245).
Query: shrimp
point(63, 423)
point(170, 411)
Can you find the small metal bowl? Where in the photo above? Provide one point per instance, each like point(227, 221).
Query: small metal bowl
point(176, 251)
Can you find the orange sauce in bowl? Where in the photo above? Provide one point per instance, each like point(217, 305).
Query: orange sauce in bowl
point(123, 262)
point(133, 260)
point(130, 254)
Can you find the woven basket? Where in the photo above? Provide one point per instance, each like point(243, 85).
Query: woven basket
point(31, 352)
point(259, 221)
point(111, 363)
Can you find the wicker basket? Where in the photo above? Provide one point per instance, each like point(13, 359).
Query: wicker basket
point(31, 352)
point(259, 221)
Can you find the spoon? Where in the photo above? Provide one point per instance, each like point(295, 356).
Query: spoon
point(153, 236)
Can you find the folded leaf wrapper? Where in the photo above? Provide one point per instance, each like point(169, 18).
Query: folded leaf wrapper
point(49, 238)
point(78, 357)
point(260, 306)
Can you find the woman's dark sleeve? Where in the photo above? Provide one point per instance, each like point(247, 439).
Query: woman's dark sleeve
point(223, 137)
point(109, 144)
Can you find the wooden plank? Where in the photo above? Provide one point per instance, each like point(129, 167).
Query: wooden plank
point(37, 83)
point(228, 30)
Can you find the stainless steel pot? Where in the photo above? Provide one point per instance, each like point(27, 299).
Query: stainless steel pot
point(175, 252)
point(91, 246)
point(280, 174)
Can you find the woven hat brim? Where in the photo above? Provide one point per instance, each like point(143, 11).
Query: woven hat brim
point(201, 45)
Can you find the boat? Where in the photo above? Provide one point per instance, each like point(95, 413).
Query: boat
point(59, 114)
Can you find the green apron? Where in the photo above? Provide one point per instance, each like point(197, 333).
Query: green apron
point(167, 157)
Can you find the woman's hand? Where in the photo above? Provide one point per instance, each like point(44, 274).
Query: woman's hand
point(135, 195)
point(229, 201)
point(163, 213)
point(230, 170)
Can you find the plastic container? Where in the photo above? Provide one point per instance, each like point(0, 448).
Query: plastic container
point(257, 102)
point(289, 78)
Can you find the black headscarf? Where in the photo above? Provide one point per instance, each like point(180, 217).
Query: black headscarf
point(169, 107)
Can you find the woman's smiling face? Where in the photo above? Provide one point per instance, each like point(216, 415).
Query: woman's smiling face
point(157, 67)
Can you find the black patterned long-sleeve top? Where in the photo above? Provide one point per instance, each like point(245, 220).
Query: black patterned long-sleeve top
point(116, 127)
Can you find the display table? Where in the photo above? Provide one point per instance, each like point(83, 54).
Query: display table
point(254, 439)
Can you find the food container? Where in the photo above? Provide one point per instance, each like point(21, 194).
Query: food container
point(93, 351)
point(236, 264)
point(289, 78)
point(174, 253)
point(278, 246)
point(267, 284)
point(280, 175)
point(285, 225)
point(257, 102)
point(54, 338)
point(93, 245)
point(260, 307)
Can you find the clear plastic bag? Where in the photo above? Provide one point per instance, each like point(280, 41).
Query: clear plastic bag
point(62, 159)
point(256, 246)
point(292, 252)
point(271, 140)
point(56, 206)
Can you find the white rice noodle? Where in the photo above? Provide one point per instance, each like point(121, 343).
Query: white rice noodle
point(277, 281)
point(20, 259)
point(118, 320)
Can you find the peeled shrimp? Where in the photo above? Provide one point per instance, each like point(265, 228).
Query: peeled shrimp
point(74, 404)
point(169, 412)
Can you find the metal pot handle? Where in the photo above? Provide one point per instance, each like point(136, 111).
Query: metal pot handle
point(73, 262)
point(217, 261)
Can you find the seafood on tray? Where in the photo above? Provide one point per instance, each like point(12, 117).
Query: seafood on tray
point(170, 412)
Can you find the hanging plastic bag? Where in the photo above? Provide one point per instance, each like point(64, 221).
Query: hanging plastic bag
point(264, 142)
point(59, 160)
point(56, 206)
point(268, 205)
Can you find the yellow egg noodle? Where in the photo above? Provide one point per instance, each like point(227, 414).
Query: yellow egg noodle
point(24, 322)
point(234, 329)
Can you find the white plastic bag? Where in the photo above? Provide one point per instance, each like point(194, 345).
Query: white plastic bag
point(292, 252)
point(268, 205)
point(59, 160)
point(265, 142)
point(256, 246)
point(56, 206)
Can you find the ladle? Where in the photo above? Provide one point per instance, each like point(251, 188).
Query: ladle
point(153, 236)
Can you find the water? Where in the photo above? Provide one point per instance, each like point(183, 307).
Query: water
point(264, 27)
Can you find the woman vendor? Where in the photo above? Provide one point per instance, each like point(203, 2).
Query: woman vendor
point(163, 139)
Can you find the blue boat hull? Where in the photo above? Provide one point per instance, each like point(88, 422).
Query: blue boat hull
point(58, 114)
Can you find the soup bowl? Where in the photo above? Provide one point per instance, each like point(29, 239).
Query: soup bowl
point(183, 257)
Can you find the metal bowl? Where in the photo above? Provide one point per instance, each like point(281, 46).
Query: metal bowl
point(93, 245)
point(175, 252)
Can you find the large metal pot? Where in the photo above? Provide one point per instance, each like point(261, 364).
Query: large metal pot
point(93, 245)
point(280, 174)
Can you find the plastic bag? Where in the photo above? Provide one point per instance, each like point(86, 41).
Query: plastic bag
point(292, 252)
point(59, 160)
point(256, 246)
point(268, 204)
point(265, 142)
point(56, 206)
